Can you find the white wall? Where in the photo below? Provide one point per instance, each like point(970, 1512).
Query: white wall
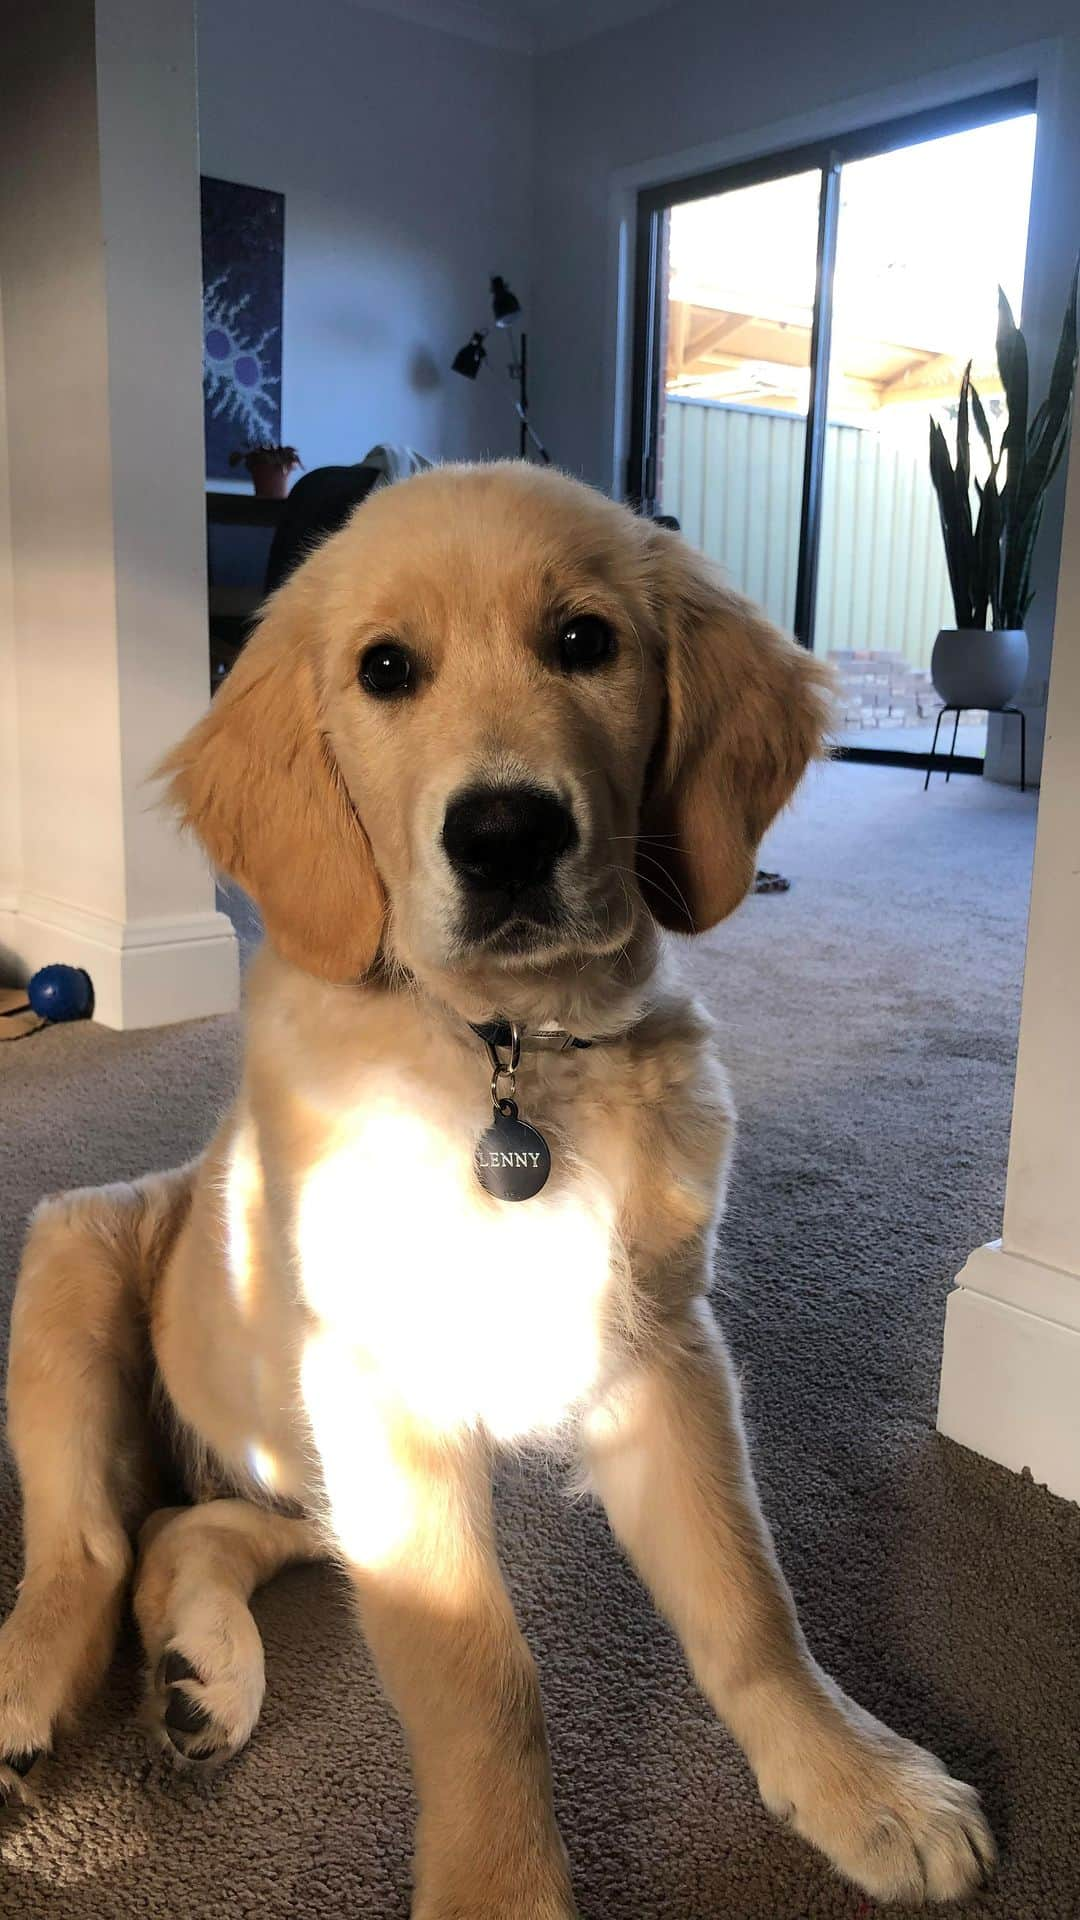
point(1042, 1201)
point(695, 85)
point(1010, 1378)
point(404, 155)
point(99, 267)
point(52, 258)
point(10, 825)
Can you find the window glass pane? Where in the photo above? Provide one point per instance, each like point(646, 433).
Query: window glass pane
point(740, 274)
point(925, 236)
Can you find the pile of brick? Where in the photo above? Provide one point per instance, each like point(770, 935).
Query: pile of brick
point(880, 689)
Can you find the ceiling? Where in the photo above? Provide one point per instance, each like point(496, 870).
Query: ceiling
point(531, 26)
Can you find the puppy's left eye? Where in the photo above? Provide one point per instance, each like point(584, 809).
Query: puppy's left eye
point(386, 670)
point(585, 643)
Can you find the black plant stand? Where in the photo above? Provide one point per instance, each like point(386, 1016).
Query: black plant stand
point(1016, 712)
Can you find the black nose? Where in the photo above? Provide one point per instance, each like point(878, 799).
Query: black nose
point(503, 839)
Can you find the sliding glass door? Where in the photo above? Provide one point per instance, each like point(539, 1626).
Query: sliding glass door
point(741, 280)
point(797, 321)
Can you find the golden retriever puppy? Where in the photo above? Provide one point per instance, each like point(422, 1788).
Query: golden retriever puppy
point(494, 741)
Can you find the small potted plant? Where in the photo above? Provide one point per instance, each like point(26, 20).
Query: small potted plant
point(269, 468)
point(983, 660)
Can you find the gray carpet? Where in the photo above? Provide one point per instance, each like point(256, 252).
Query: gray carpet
point(871, 1017)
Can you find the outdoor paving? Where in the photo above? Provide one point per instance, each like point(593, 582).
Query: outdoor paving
point(887, 703)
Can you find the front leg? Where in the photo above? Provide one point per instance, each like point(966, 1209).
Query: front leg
point(412, 1514)
point(669, 1458)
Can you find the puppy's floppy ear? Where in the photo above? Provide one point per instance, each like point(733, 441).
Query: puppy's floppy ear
point(745, 709)
point(256, 780)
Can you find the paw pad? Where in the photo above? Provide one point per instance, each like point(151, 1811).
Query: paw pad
point(175, 1667)
point(183, 1713)
point(20, 1764)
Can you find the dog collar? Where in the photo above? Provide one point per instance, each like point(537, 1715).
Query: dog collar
point(500, 1033)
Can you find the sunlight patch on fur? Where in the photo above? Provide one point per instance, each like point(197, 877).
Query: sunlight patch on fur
point(243, 1195)
point(263, 1465)
point(481, 1313)
point(371, 1500)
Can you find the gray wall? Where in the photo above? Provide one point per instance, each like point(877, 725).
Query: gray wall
point(404, 155)
point(697, 83)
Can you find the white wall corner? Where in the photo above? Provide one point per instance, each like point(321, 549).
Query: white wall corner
point(1010, 1376)
point(10, 796)
point(146, 973)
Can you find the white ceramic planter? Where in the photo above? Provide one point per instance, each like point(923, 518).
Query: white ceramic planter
point(979, 667)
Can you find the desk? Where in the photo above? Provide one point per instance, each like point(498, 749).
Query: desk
point(239, 530)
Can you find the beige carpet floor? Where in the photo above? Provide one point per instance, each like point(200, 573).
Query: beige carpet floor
point(871, 1020)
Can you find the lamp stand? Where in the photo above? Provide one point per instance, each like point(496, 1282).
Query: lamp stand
point(519, 371)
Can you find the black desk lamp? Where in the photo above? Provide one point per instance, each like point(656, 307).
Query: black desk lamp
point(468, 362)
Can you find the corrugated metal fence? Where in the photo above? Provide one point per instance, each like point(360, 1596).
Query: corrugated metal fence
point(733, 477)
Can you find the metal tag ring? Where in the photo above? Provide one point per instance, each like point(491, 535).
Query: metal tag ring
point(505, 1070)
point(507, 1075)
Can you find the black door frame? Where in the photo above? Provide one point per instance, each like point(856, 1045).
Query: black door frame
point(817, 414)
point(827, 157)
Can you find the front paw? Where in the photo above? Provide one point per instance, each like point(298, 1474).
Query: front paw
point(494, 1885)
point(204, 1709)
point(886, 1813)
point(26, 1716)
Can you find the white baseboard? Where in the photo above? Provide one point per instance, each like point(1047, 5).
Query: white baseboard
point(1010, 1372)
point(146, 973)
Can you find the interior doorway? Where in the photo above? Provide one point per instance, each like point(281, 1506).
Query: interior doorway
point(798, 320)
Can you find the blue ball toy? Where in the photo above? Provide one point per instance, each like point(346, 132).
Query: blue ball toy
point(61, 993)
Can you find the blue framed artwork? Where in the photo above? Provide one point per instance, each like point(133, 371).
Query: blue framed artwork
point(243, 251)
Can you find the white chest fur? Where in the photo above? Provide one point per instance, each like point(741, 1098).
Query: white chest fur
point(384, 1277)
point(471, 1309)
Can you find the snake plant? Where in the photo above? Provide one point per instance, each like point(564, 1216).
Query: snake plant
point(989, 559)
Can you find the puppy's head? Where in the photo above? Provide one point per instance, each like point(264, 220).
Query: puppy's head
point(497, 723)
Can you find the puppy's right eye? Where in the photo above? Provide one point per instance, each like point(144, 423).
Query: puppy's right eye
point(585, 643)
point(386, 670)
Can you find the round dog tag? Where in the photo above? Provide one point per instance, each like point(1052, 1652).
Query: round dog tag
point(512, 1160)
